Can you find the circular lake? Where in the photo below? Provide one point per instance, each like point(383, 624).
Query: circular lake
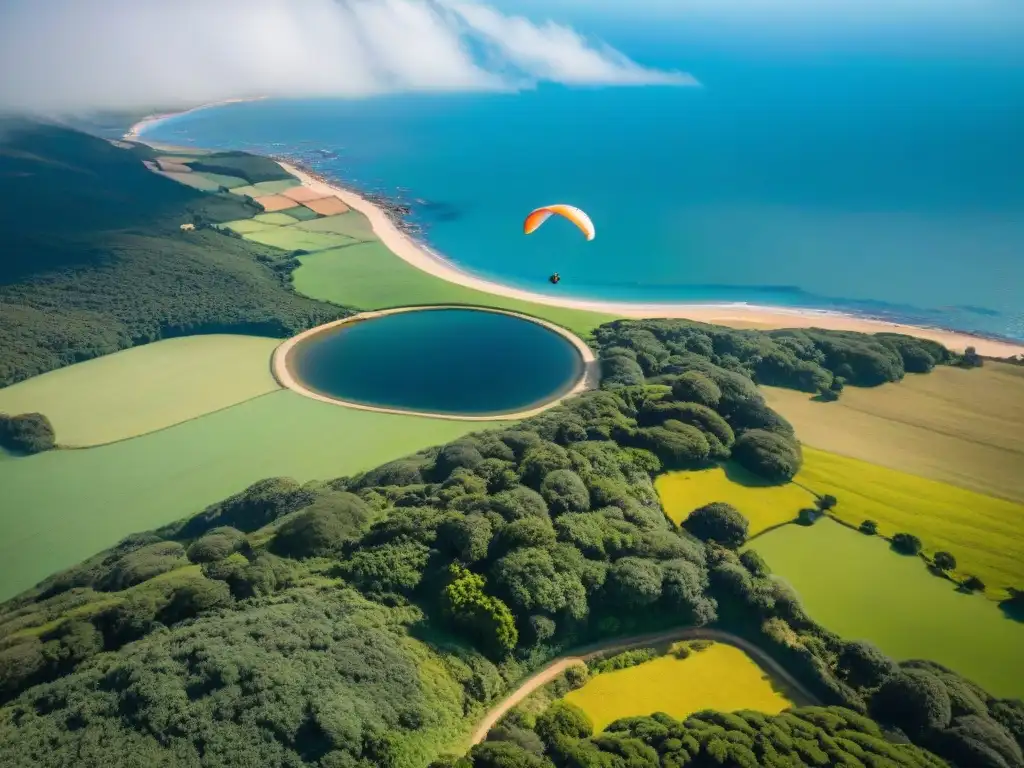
point(445, 361)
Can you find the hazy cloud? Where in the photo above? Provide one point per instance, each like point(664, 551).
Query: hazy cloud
point(70, 55)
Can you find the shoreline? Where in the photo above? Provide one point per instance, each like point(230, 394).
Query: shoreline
point(421, 256)
point(149, 121)
point(589, 375)
point(735, 315)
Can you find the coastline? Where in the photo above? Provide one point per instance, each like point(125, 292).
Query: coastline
point(733, 315)
point(149, 121)
point(588, 379)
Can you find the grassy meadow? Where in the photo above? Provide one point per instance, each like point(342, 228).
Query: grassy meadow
point(721, 677)
point(63, 506)
point(984, 533)
point(764, 505)
point(369, 276)
point(857, 586)
point(964, 427)
point(146, 388)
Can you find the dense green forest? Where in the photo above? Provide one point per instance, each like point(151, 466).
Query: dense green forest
point(94, 259)
point(808, 736)
point(370, 620)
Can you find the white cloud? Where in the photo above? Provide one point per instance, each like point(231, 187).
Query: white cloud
point(74, 55)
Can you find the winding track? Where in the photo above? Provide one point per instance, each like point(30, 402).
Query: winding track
point(559, 665)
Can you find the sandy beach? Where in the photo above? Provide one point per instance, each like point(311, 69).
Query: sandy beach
point(733, 315)
point(150, 120)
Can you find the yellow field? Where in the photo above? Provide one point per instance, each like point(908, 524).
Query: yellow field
point(985, 534)
point(146, 388)
point(721, 677)
point(964, 427)
point(765, 506)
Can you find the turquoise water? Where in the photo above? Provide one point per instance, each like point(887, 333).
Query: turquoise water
point(440, 361)
point(884, 181)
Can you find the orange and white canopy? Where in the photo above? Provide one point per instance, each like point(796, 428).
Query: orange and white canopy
point(572, 213)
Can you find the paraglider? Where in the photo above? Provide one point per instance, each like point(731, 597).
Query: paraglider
point(570, 212)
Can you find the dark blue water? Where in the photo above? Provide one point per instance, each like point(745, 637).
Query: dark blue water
point(440, 361)
point(883, 177)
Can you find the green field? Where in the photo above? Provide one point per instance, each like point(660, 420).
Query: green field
point(985, 534)
point(369, 276)
point(63, 506)
point(275, 187)
point(229, 182)
point(353, 224)
point(302, 213)
point(721, 677)
point(964, 427)
point(194, 180)
point(146, 388)
point(294, 239)
point(763, 504)
point(858, 587)
point(246, 226)
point(280, 219)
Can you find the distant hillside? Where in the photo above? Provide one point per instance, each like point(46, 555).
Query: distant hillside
point(94, 259)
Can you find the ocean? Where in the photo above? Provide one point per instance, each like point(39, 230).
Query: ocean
point(868, 181)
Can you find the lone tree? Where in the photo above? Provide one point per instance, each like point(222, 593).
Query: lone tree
point(26, 433)
point(906, 544)
point(944, 561)
point(718, 522)
point(826, 502)
point(870, 527)
point(973, 584)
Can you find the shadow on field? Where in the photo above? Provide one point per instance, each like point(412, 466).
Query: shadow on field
point(741, 476)
point(1013, 606)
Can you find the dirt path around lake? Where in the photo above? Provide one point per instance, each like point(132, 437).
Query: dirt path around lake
point(559, 665)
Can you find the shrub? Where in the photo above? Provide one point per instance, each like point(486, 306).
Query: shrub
point(677, 445)
point(577, 676)
point(769, 455)
point(973, 584)
point(216, 545)
point(863, 665)
point(324, 527)
point(143, 564)
point(26, 433)
point(944, 561)
point(486, 619)
point(624, 660)
point(754, 563)
point(914, 701)
point(695, 387)
point(563, 720)
point(563, 491)
point(519, 502)
point(541, 460)
point(718, 522)
point(454, 455)
point(869, 527)
point(906, 543)
point(826, 502)
point(808, 516)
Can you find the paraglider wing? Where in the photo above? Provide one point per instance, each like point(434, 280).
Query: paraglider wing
point(573, 214)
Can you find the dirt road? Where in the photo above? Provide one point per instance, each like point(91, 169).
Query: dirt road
point(559, 665)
